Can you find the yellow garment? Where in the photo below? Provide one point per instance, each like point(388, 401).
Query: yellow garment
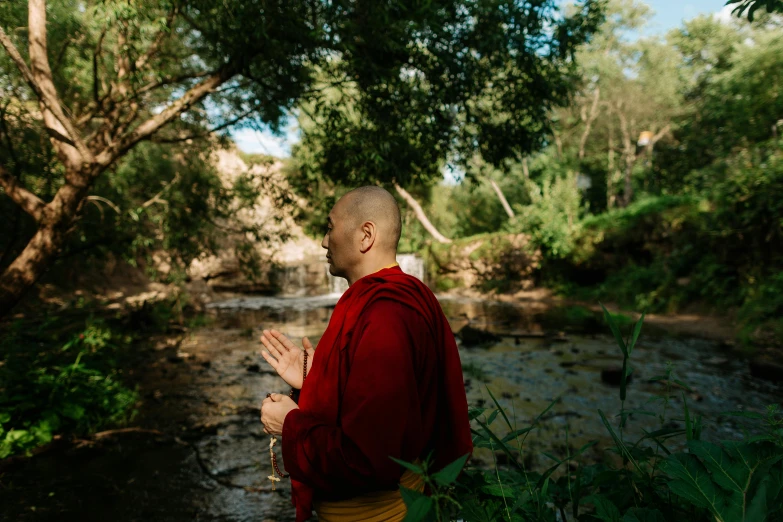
point(380, 506)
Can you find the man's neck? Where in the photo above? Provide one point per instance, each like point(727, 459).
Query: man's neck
point(371, 268)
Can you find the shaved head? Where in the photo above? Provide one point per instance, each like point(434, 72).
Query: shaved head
point(362, 233)
point(372, 203)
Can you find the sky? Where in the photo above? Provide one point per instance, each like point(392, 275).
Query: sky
point(668, 14)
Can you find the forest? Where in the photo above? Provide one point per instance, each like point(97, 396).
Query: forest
point(545, 155)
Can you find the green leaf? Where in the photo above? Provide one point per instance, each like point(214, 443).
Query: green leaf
point(605, 510)
point(492, 417)
point(637, 329)
point(475, 511)
point(450, 472)
point(475, 412)
point(620, 445)
point(500, 409)
point(677, 381)
point(73, 411)
point(692, 482)
point(615, 330)
point(419, 505)
point(516, 433)
point(408, 465)
point(643, 515)
point(496, 490)
point(501, 445)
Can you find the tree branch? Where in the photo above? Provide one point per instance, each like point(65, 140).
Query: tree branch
point(589, 122)
point(156, 198)
point(657, 137)
point(28, 201)
point(207, 133)
point(146, 129)
point(155, 46)
point(40, 79)
point(440, 238)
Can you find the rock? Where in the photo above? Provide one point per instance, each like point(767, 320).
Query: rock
point(506, 395)
point(475, 337)
point(766, 368)
point(254, 368)
point(567, 364)
point(557, 337)
point(613, 375)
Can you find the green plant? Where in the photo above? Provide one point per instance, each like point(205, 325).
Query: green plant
point(64, 373)
point(656, 475)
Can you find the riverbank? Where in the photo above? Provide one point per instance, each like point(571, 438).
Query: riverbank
point(703, 326)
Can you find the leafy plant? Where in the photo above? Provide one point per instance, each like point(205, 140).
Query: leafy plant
point(656, 477)
point(64, 374)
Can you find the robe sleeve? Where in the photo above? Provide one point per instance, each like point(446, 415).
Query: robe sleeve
point(379, 408)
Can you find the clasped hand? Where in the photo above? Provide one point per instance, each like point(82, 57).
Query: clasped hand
point(273, 411)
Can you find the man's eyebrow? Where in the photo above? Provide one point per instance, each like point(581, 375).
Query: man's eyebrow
point(329, 219)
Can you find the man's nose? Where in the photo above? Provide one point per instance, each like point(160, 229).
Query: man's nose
point(325, 242)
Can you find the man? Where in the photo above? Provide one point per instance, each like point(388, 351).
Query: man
point(385, 381)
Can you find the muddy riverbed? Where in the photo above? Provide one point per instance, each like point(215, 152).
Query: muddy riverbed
point(202, 455)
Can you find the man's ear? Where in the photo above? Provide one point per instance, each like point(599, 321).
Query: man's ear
point(369, 232)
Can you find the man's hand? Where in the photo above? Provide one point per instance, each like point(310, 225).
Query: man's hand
point(285, 357)
point(273, 412)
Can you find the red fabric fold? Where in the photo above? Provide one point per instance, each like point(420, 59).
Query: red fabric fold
point(406, 384)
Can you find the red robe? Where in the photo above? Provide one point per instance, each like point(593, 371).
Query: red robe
point(386, 380)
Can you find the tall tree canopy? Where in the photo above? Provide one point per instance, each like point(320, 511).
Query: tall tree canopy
point(97, 78)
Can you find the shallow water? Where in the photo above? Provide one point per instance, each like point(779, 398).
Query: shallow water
point(212, 461)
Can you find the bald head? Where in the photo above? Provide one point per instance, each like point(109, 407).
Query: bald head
point(372, 203)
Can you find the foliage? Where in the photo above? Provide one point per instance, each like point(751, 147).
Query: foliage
point(552, 217)
point(492, 262)
point(74, 381)
point(653, 478)
point(717, 245)
point(749, 7)
point(460, 79)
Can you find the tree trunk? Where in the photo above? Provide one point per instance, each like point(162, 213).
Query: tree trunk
point(588, 120)
point(503, 200)
point(422, 217)
point(28, 267)
point(56, 219)
point(610, 173)
point(82, 163)
point(628, 189)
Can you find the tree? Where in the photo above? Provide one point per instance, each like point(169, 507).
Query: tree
point(749, 7)
point(128, 72)
point(482, 81)
point(625, 89)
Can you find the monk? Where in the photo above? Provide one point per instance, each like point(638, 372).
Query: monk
point(385, 380)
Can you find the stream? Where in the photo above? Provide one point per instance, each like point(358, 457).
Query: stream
point(208, 460)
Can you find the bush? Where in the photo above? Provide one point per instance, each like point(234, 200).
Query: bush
point(553, 216)
point(64, 375)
